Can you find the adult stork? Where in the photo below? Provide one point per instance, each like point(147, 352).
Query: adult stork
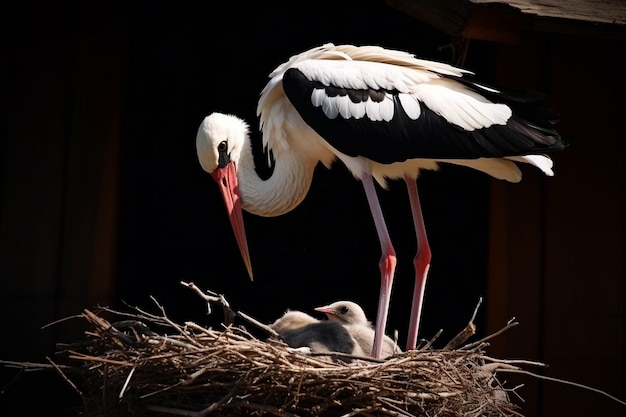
point(386, 115)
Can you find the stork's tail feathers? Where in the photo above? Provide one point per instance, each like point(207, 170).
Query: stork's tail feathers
point(530, 109)
point(542, 162)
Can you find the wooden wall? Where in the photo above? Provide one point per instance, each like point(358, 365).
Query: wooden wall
point(61, 108)
point(557, 244)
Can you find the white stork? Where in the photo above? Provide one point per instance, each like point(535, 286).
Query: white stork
point(386, 115)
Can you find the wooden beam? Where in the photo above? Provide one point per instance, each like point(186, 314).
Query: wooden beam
point(502, 22)
point(448, 16)
point(495, 24)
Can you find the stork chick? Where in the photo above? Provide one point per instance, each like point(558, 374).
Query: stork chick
point(298, 329)
point(353, 318)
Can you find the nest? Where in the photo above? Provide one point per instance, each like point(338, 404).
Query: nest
point(126, 368)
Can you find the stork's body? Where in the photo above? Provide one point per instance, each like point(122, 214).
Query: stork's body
point(386, 115)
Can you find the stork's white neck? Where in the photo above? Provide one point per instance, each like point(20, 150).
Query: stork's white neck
point(282, 191)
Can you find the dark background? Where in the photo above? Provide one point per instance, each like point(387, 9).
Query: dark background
point(104, 201)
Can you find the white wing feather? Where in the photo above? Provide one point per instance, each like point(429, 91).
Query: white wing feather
point(411, 105)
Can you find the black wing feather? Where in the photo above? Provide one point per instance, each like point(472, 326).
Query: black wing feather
point(429, 136)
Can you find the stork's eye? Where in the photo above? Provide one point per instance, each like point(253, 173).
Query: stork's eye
point(344, 310)
point(223, 158)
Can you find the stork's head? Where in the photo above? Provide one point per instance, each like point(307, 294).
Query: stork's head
point(219, 142)
point(344, 312)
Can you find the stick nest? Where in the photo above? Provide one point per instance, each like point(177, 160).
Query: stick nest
point(124, 368)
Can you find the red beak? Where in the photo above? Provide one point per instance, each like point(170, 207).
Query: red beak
point(229, 186)
point(325, 310)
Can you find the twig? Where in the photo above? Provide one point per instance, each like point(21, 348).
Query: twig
point(266, 408)
point(66, 379)
point(428, 344)
point(257, 323)
point(125, 386)
point(175, 326)
point(468, 331)
point(563, 381)
point(229, 314)
point(13, 380)
point(513, 361)
point(509, 325)
point(399, 411)
point(107, 327)
point(31, 366)
point(56, 322)
point(89, 358)
point(339, 355)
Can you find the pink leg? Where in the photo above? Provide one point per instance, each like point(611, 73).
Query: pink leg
point(387, 265)
point(421, 261)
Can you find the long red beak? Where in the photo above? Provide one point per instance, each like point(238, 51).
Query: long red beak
point(229, 186)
